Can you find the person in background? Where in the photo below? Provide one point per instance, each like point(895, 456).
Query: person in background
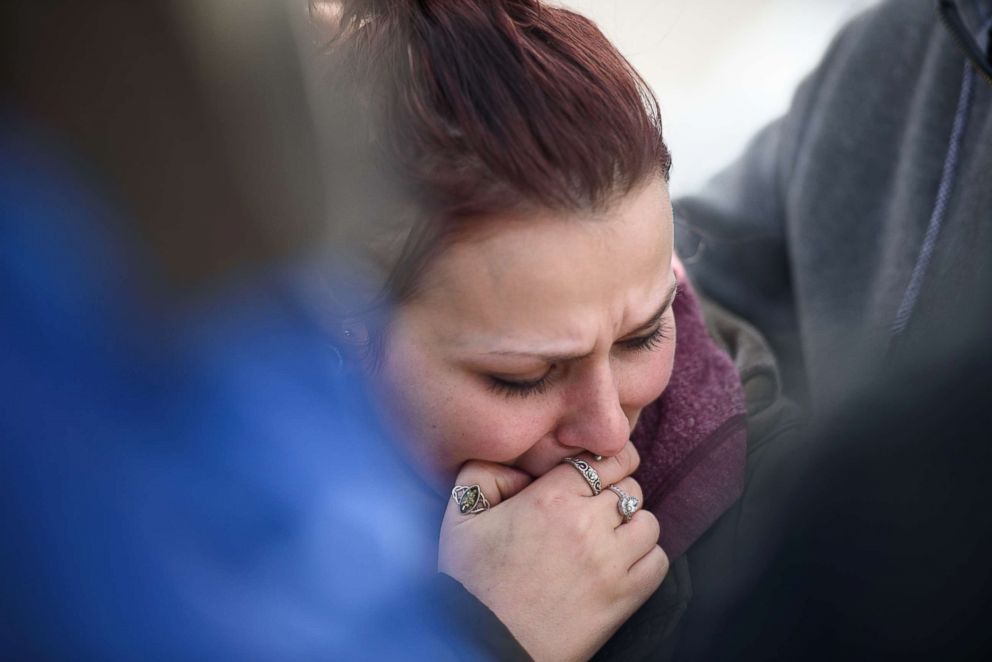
point(855, 232)
point(858, 222)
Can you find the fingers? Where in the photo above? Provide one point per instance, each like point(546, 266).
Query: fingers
point(610, 470)
point(613, 469)
point(638, 535)
point(496, 482)
point(650, 570)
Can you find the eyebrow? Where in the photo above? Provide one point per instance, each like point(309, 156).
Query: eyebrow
point(560, 357)
point(654, 319)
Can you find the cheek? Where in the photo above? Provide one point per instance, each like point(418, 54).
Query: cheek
point(447, 417)
point(646, 379)
point(481, 425)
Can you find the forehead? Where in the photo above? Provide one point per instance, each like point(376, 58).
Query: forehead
point(553, 274)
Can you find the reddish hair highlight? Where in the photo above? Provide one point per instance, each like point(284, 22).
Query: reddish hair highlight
point(482, 107)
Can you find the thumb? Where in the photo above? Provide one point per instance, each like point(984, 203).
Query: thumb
point(478, 480)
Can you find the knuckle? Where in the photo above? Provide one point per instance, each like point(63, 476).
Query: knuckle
point(627, 460)
point(633, 488)
point(474, 471)
point(663, 565)
point(651, 517)
point(635, 457)
point(478, 465)
point(647, 525)
point(653, 525)
point(645, 517)
point(621, 462)
point(655, 569)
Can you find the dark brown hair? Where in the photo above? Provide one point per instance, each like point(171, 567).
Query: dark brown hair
point(482, 107)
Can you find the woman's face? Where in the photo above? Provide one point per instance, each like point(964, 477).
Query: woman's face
point(535, 338)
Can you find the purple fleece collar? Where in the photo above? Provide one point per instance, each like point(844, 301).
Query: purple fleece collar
point(692, 440)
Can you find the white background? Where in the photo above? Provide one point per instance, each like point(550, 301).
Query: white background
point(721, 68)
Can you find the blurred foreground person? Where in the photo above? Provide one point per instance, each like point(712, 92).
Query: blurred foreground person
point(886, 545)
point(186, 470)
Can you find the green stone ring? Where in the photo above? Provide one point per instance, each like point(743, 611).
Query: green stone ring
point(470, 499)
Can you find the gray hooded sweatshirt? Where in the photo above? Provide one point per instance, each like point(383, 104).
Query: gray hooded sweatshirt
point(862, 219)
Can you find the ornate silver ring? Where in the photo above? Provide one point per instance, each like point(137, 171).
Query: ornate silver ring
point(470, 499)
point(591, 475)
point(627, 505)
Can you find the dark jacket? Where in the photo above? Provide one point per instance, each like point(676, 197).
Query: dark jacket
point(701, 582)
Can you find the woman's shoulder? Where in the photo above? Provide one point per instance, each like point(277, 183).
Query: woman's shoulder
point(723, 559)
point(769, 411)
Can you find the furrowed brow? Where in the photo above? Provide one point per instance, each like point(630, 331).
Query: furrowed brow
point(560, 357)
point(656, 317)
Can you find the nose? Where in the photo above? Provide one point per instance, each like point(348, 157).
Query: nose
point(594, 419)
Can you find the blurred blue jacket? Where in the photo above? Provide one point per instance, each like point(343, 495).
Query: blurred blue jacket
point(203, 482)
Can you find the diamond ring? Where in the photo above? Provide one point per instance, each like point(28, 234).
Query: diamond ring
point(470, 499)
point(591, 475)
point(627, 505)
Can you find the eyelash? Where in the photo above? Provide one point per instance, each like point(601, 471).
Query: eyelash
point(521, 389)
point(538, 386)
point(652, 340)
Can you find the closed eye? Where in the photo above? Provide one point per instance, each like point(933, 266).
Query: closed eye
point(509, 387)
point(651, 341)
point(662, 327)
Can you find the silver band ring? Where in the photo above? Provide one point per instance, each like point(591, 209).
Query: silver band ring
point(590, 475)
point(470, 499)
point(627, 505)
